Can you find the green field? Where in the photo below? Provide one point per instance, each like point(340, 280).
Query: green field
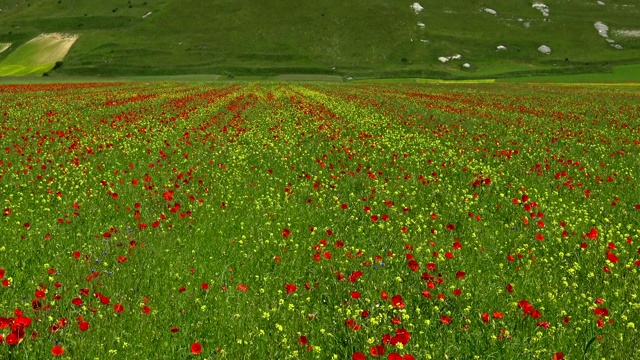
point(359, 39)
point(272, 220)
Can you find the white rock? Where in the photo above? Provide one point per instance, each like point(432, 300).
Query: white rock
point(628, 33)
point(501, 48)
point(526, 25)
point(466, 65)
point(421, 25)
point(617, 46)
point(443, 59)
point(544, 9)
point(491, 11)
point(417, 7)
point(603, 29)
point(600, 3)
point(544, 49)
point(424, 40)
point(147, 14)
point(456, 57)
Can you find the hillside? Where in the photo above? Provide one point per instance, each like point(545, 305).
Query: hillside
point(372, 38)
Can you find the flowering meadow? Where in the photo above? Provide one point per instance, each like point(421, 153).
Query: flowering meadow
point(319, 221)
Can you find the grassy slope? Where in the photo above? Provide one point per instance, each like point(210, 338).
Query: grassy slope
point(358, 38)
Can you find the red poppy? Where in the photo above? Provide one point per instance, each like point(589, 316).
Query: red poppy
point(196, 348)
point(204, 286)
point(601, 311)
point(146, 310)
point(22, 321)
point(351, 323)
point(612, 257)
point(358, 356)
point(40, 294)
point(445, 320)
point(118, 308)
point(83, 326)
point(242, 287)
point(592, 234)
point(303, 340)
point(558, 356)
point(286, 232)
point(57, 350)
point(355, 276)
point(413, 265)
point(355, 295)
point(485, 317)
point(12, 339)
point(397, 302)
point(450, 227)
point(290, 288)
point(377, 350)
point(402, 336)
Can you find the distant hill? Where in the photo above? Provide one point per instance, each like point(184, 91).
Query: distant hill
point(373, 38)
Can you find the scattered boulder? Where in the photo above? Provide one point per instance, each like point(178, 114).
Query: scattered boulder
point(544, 49)
point(491, 11)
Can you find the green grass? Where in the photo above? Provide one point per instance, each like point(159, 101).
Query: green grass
point(363, 39)
point(621, 74)
point(308, 77)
